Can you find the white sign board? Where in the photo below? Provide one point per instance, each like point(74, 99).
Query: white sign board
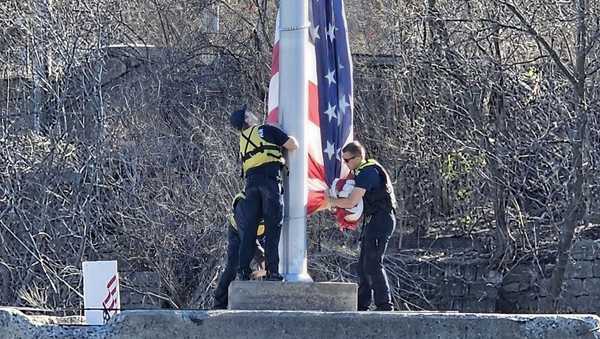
point(100, 291)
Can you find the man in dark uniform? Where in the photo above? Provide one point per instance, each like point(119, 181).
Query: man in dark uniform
point(373, 185)
point(261, 150)
point(233, 252)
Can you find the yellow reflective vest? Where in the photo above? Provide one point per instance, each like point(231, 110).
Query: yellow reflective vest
point(256, 151)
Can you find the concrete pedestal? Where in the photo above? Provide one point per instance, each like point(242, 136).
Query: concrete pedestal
point(292, 296)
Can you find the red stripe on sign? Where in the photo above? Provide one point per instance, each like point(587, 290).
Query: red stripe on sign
point(112, 280)
point(106, 300)
point(275, 60)
point(313, 103)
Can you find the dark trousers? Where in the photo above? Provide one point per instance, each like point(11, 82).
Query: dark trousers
point(263, 198)
point(231, 268)
point(233, 246)
point(373, 281)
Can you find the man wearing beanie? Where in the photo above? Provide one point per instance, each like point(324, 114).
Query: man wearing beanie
point(261, 150)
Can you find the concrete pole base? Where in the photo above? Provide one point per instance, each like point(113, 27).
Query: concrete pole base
point(292, 296)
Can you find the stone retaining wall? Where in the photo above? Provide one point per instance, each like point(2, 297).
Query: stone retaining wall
point(470, 286)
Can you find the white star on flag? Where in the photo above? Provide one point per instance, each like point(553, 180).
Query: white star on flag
point(330, 150)
point(330, 77)
point(330, 111)
point(331, 32)
point(314, 32)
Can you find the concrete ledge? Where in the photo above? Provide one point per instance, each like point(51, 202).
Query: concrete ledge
point(292, 296)
point(168, 324)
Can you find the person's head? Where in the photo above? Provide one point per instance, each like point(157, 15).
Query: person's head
point(251, 118)
point(353, 154)
point(243, 118)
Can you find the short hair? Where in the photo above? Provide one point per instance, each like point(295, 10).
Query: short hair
point(355, 148)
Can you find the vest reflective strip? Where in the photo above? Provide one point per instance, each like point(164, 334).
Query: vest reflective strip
point(256, 151)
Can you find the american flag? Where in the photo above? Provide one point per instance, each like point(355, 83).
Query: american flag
point(111, 301)
point(329, 94)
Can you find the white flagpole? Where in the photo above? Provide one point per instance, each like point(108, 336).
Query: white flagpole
point(293, 113)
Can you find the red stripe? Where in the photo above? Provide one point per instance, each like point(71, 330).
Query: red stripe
point(315, 170)
point(313, 103)
point(112, 280)
point(113, 291)
point(273, 116)
point(316, 201)
point(107, 299)
point(275, 60)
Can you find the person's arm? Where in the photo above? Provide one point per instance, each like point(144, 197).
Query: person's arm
point(291, 144)
point(278, 137)
point(351, 201)
point(364, 181)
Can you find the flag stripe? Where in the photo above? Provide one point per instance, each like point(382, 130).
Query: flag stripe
point(275, 61)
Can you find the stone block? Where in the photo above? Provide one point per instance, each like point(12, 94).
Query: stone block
point(456, 304)
point(443, 303)
point(545, 305)
point(485, 305)
point(435, 273)
point(579, 269)
point(585, 304)
point(516, 286)
point(573, 287)
point(444, 289)
point(425, 270)
point(519, 274)
point(494, 277)
point(458, 288)
point(470, 273)
point(566, 305)
point(453, 271)
point(483, 290)
point(510, 299)
point(583, 250)
point(534, 306)
point(306, 296)
point(592, 286)
point(597, 248)
point(596, 268)
point(543, 286)
point(527, 304)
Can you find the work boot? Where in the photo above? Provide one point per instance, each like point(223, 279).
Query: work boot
point(384, 308)
point(244, 274)
point(273, 276)
point(219, 307)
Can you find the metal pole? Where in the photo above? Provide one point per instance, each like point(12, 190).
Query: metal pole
point(293, 108)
